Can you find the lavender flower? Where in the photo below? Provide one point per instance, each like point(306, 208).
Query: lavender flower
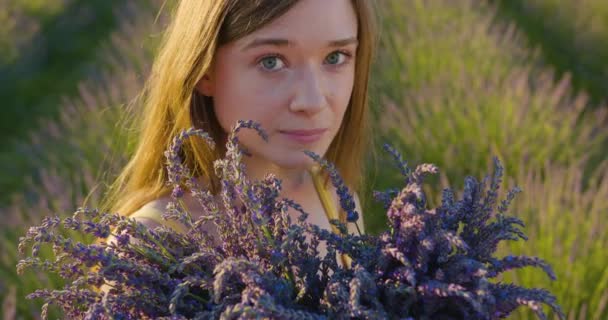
point(430, 263)
point(346, 200)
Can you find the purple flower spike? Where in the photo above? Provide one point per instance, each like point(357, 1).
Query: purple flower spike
point(175, 168)
point(346, 200)
point(250, 124)
point(401, 164)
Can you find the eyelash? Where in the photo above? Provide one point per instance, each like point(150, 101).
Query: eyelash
point(346, 53)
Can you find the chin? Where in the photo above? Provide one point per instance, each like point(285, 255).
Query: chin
point(301, 161)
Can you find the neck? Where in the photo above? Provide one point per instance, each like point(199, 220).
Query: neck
point(293, 180)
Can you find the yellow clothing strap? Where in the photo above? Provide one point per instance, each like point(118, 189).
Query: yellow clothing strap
point(330, 210)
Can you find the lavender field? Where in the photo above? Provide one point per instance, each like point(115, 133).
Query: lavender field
point(454, 83)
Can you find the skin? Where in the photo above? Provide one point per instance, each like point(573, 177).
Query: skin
point(302, 83)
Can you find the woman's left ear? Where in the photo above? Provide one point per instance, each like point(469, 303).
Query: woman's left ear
point(206, 85)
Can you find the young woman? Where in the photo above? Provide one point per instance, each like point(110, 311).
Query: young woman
point(299, 68)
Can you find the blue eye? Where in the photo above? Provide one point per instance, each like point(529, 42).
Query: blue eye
point(269, 63)
point(334, 57)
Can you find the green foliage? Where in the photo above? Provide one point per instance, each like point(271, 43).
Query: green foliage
point(457, 87)
point(67, 160)
point(85, 124)
point(572, 36)
point(568, 225)
point(50, 65)
point(20, 23)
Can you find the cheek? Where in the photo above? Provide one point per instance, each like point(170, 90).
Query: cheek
point(343, 92)
point(241, 94)
point(231, 107)
point(223, 117)
point(232, 99)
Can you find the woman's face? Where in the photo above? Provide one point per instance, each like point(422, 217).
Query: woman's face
point(295, 73)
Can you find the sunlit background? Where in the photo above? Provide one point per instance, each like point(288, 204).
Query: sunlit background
point(455, 83)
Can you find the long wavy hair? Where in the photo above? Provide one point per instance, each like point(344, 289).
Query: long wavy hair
point(170, 103)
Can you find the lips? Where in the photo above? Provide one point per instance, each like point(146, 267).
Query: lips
point(304, 132)
point(304, 136)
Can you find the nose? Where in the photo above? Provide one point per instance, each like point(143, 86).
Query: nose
point(309, 96)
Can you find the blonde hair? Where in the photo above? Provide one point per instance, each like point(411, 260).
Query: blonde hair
point(171, 104)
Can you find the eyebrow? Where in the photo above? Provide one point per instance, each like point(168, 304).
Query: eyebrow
point(284, 42)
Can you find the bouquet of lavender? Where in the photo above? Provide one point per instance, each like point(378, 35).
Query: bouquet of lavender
point(429, 264)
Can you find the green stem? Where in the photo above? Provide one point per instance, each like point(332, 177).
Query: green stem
point(199, 299)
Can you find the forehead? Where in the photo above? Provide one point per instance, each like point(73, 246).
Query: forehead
point(310, 23)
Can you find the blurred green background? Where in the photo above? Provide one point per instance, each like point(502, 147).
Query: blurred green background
point(455, 82)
